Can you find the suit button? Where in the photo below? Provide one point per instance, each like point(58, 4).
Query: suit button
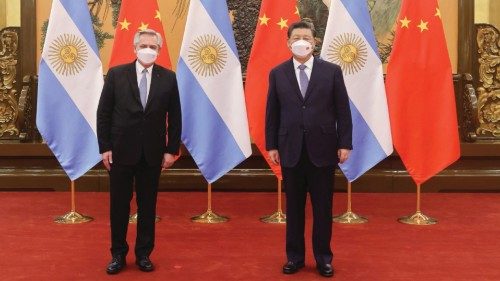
point(303, 107)
point(305, 131)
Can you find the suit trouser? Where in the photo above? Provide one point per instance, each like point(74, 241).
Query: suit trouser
point(318, 181)
point(121, 189)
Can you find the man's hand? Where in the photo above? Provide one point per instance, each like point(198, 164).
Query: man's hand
point(343, 155)
point(168, 161)
point(107, 159)
point(275, 156)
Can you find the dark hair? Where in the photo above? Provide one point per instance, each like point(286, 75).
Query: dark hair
point(305, 23)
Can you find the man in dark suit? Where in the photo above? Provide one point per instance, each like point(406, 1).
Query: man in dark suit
point(308, 131)
point(131, 130)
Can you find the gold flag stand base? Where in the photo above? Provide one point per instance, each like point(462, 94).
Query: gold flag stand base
point(350, 218)
point(133, 218)
point(418, 219)
point(277, 217)
point(73, 218)
point(209, 217)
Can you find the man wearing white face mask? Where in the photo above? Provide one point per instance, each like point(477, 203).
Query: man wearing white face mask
point(131, 130)
point(308, 132)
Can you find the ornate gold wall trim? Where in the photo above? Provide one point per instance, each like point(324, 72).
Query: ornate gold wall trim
point(488, 104)
point(16, 90)
point(9, 95)
point(469, 112)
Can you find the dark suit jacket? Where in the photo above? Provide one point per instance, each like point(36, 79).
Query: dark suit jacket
point(322, 118)
point(128, 130)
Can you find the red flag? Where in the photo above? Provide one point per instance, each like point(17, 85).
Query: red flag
point(420, 92)
point(269, 49)
point(137, 15)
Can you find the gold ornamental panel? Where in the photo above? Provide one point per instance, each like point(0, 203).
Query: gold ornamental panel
point(489, 77)
point(9, 96)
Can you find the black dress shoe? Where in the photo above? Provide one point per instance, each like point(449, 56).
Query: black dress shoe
point(292, 267)
point(325, 270)
point(116, 264)
point(144, 264)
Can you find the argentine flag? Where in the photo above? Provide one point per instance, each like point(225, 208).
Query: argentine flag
point(69, 86)
point(214, 118)
point(350, 43)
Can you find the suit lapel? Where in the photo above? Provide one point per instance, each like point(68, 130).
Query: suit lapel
point(314, 79)
point(155, 78)
point(290, 74)
point(132, 79)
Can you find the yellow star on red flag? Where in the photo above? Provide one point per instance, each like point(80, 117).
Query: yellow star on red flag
point(405, 23)
point(423, 26)
point(438, 13)
point(143, 26)
point(263, 20)
point(282, 23)
point(158, 16)
point(124, 24)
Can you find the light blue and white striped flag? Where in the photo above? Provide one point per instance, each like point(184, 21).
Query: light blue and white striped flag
point(214, 118)
point(349, 42)
point(69, 86)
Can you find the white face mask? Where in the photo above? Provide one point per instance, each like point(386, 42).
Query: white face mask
point(301, 48)
point(147, 55)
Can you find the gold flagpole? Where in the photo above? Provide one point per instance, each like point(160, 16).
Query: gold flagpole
point(349, 217)
point(418, 218)
point(209, 216)
point(278, 216)
point(73, 216)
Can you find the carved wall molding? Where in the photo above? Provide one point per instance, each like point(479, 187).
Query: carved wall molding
point(26, 110)
point(9, 95)
point(244, 14)
point(16, 97)
point(488, 90)
point(469, 112)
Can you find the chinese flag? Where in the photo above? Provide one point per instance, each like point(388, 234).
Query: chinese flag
point(420, 92)
point(137, 15)
point(269, 49)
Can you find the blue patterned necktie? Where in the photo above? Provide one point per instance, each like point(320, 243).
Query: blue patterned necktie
point(303, 80)
point(143, 88)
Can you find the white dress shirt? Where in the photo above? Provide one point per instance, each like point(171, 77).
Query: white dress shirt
point(308, 69)
point(139, 68)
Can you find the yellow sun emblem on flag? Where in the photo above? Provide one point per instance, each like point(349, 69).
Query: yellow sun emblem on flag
point(68, 54)
point(207, 55)
point(349, 51)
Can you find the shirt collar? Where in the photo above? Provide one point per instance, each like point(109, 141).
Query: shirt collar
point(140, 68)
point(308, 63)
